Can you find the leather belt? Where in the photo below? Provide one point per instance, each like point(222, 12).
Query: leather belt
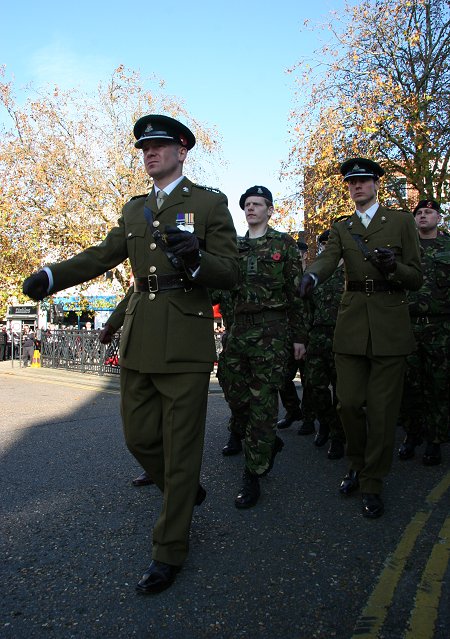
point(371, 286)
point(260, 317)
point(158, 283)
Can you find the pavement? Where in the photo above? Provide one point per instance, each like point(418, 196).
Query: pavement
point(75, 534)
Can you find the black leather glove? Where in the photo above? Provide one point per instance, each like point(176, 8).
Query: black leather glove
point(183, 245)
point(106, 334)
point(36, 286)
point(385, 260)
point(306, 286)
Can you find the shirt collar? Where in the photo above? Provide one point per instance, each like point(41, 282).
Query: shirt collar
point(370, 211)
point(170, 187)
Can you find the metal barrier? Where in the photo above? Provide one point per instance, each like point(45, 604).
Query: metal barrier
point(80, 351)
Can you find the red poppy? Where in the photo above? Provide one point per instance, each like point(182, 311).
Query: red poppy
point(276, 257)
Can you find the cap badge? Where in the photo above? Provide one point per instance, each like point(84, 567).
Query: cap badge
point(259, 190)
point(148, 128)
point(429, 205)
point(356, 168)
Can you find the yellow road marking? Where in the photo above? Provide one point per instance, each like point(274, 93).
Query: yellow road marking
point(423, 618)
point(374, 614)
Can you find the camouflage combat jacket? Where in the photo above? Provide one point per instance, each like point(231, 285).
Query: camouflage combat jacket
point(434, 297)
point(270, 272)
point(325, 300)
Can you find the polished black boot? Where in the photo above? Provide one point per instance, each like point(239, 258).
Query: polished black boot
point(349, 483)
point(406, 450)
point(233, 446)
point(157, 578)
point(250, 491)
point(372, 505)
point(336, 449)
point(432, 455)
point(290, 418)
point(322, 436)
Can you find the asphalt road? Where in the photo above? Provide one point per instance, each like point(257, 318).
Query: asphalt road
point(302, 564)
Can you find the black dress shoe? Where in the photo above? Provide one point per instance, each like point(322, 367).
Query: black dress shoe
point(432, 455)
point(157, 578)
point(277, 448)
point(406, 450)
point(307, 428)
point(372, 505)
point(322, 437)
point(349, 483)
point(289, 419)
point(201, 495)
point(143, 479)
point(233, 446)
point(250, 491)
point(336, 449)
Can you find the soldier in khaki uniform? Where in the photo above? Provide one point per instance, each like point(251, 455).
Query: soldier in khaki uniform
point(167, 346)
point(373, 333)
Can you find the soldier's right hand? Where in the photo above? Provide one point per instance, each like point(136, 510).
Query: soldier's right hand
point(306, 286)
point(106, 334)
point(36, 286)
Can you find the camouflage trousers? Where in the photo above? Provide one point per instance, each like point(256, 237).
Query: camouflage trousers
point(320, 374)
point(251, 371)
point(288, 392)
point(425, 406)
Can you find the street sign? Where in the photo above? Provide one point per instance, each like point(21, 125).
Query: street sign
point(22, 312)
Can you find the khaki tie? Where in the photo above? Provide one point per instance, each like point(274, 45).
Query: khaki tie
point(160, 198)
point(365, 219)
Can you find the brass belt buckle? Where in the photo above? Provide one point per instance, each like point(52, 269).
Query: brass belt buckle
point(369, 286)
point(153, 283)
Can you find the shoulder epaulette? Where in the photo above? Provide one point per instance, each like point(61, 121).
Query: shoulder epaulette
point(207, 188)
point(136, 197)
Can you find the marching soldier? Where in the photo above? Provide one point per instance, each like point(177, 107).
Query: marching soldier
point(373, 334)
point(320, 370)
point(426, 403)
point(268, 322)
point(167, 345)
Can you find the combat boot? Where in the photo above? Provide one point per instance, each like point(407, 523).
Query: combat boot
point(307, 428)
point(250, 491)
point(233, 446)
point(406, 450)
point(290, 418)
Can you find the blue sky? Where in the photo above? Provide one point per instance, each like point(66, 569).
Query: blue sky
point(226, 60)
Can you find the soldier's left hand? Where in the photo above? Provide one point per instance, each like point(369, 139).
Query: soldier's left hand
point(183, 244)
point(385, 259)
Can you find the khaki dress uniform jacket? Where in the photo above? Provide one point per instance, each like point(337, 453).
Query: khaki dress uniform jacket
point(373, 335)
point(167, 345)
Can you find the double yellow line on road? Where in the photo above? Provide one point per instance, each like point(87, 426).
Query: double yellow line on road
point(423, 616)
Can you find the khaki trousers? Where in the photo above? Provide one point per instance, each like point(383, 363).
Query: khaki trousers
point(369, 391)
point(164, 424)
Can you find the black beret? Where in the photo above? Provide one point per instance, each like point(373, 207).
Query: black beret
point(361, 167)
point(261, 191)
point(154, 127)
point(302, 245)
point(427, 204)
